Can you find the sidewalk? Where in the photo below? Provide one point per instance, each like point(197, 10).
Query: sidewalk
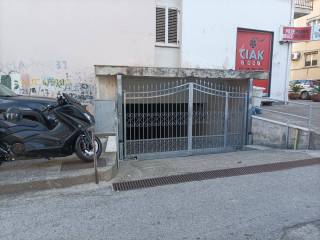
point(40, 174)
point(136, 170)
point(34, 175)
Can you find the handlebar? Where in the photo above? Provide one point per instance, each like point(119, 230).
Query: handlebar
point(48, 108)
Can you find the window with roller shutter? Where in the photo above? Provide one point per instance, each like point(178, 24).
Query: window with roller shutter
point(172, 26)
point(161, 25)
point(167, 20)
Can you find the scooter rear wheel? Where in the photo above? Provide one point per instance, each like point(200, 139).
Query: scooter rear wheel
point(84, 152)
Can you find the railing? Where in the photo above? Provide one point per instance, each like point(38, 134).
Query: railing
point(304, 4)
point(293, 114)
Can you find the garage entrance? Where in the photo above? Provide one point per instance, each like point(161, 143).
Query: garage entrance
point(183, 117)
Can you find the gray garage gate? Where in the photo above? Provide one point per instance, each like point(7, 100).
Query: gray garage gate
point(175, 111)
point(181, 117)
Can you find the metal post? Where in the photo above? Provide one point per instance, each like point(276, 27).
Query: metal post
point(309, 126)
point(95, 161)
point(287, 136)
point(245, 119)
point(249, 112)
point(226, 117)
point(190, 116)
point(124, 124)
point(120, 117)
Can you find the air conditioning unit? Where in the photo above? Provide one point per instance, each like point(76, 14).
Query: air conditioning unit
point(295, 56)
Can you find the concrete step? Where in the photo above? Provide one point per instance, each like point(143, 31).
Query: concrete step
point(41, 174)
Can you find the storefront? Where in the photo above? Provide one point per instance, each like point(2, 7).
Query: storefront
point(254, 53)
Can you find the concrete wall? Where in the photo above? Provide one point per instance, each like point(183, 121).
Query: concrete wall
point(272, 134)
point(169, 56)
point(106, 87)
point(106, 117)
point(209, 33)
point(47, 46)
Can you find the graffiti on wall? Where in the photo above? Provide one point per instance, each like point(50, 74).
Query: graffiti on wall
point(48, 81)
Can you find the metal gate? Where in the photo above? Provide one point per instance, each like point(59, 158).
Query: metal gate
point(183, 119)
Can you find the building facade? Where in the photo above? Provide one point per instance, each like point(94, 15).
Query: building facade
point(306, 55)
point(51, 46)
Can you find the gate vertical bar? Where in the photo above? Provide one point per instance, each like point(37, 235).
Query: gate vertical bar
point(245, 118)
point(124, 125)
point(147, 119)
point(120, 116)
point(134, 127)
point(249, 112)
point(190, 116)
point(226, 116)
point(143, 118)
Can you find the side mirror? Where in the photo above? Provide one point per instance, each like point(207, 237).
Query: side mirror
point(13, 114)
point(60, 100)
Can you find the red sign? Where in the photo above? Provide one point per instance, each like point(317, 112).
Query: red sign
point(254, 53)
point(296, 34)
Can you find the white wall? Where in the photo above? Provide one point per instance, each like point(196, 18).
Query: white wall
point(61, 40)
point(52, 45)
point(169, 56)
point(209, 33)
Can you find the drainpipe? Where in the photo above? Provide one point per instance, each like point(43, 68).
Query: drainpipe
point(291, 23)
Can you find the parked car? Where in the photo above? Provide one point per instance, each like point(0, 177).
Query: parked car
point(30, 106)
point(307, 87)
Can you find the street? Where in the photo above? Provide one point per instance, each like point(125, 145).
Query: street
point(195, 127)
point(275, 205)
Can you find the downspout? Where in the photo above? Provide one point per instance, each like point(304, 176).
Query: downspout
point(291, 23)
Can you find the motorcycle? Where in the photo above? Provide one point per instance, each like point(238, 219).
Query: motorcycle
point(69, 131)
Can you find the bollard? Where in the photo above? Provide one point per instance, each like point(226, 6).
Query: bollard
point(95, 161)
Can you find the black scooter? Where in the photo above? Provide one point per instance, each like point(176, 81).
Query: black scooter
point(69, 132)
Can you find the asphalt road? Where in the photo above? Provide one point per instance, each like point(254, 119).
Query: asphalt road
point(278, 205)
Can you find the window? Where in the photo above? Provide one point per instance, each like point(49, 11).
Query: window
point(172, 26)
point(314, 22)
point(311, 59)
point(167, 20)
point(161, 25)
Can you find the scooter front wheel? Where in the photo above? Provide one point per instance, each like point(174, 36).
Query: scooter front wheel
point(85, 151)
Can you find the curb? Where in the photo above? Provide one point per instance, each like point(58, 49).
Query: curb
point(105, 174)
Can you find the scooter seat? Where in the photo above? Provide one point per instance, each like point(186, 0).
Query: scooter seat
point(5, 124)
point(32, 124)
point(23, 123)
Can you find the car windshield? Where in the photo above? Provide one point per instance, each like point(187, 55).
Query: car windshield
point(6, 92)
point(295, 82)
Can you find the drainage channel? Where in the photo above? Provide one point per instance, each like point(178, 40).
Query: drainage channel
point(222, 173)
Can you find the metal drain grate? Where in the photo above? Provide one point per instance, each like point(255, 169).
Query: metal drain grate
point(198, 176)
